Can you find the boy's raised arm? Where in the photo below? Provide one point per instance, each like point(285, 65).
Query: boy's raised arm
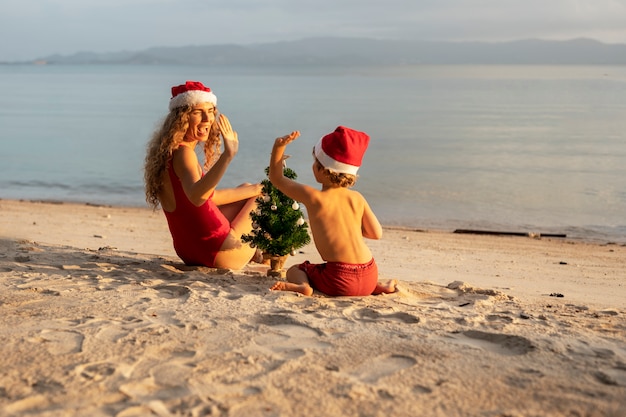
point(290, 188)
point(278, 151)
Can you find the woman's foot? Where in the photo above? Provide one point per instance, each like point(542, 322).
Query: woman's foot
point(258, 258)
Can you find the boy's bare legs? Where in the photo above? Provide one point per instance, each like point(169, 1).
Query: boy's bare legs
point(297, 280)
point(386, 287)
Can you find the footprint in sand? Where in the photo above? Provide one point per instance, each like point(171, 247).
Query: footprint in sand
point(173, 291)
point(382, 366)
point(370, 314)
point(614, 376)
point(97, 371)
point(500, 343)
point(111, 333)
point(287, 334)
point(163, 317)
point(59, 342)
point(282, 319)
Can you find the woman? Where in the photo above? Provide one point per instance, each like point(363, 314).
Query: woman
point(206, 224)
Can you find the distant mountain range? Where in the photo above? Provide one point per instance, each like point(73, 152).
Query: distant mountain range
point(356, 51)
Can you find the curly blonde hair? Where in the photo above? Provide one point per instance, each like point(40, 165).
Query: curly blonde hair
point(337, 178)
point(163, 143)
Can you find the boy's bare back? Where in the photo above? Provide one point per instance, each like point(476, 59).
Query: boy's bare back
point(339, 217)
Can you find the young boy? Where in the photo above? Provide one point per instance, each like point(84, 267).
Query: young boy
point(339, 218)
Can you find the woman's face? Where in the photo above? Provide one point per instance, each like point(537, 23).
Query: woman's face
point(201, 118)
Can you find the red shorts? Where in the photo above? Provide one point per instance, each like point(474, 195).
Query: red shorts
point(339, 278)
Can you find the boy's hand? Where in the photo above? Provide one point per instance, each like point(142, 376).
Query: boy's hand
point(287, 139)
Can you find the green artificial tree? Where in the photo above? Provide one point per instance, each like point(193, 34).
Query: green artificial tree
point(279, 228)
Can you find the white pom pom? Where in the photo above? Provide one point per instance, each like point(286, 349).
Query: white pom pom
point(274, 207)
point(266, 198)
point(295, 205)
point(300, 221)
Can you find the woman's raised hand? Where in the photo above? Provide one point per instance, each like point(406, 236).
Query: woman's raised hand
point(231, 140)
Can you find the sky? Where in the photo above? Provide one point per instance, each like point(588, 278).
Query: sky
point(31, 29)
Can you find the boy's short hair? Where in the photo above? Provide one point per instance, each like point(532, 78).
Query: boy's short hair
point(337, 178)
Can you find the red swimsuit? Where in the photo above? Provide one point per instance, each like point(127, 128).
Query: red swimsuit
point(197, 232)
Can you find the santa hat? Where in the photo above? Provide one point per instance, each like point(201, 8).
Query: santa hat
point(342, 150)
point(190, 94)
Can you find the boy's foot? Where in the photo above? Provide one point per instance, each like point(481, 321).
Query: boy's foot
point(290, 286)
point(386, 287)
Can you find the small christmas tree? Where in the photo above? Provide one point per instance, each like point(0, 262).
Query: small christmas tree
point(278, 224)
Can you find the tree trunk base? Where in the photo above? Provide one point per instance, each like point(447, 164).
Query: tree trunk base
point(276, 267)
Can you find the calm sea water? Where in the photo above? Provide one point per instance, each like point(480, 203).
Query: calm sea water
point(513, 148)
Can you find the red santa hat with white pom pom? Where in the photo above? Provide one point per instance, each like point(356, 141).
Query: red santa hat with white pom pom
point(342, 150)
point(190, 94)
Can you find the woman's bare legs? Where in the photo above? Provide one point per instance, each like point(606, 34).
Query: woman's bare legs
point(232, 210)
point(235, 254)
point(297, 280)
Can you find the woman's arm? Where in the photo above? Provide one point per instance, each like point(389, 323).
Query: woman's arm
point(199, 188)
point(231, 195)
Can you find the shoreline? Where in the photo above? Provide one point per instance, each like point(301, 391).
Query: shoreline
point(509, 262)
point(101, 318)
point(580, 234)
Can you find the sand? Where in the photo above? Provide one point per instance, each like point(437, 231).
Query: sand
point(100, 318)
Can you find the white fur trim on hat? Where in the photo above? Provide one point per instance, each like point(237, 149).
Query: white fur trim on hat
point(191, 98)
point(328, 162)
point(342, 150)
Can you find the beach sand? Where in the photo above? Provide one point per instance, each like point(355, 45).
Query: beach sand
point(100, 318)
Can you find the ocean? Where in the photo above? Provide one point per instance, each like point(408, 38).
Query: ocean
point(537, 149)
